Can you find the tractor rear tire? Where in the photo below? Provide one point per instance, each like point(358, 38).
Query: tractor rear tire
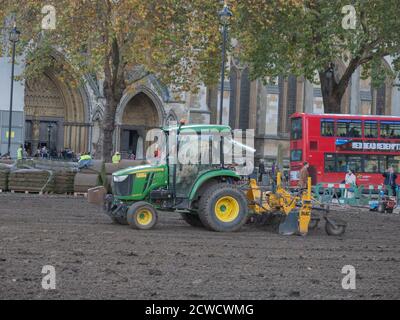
point(192, 219)
point(223, 208)
point(142, 215)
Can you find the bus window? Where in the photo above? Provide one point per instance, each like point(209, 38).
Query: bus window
point(349, 129)
point(330, 163)
point(327, 128)
point(393, 161)
point(371, 164)
point(371, 129)
point(390, 130)
point(296, 155)
point(341, 163)
point(354, 163)
point(297, 129)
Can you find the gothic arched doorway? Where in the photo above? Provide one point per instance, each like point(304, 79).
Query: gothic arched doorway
point(139, 116)
point(55, 116)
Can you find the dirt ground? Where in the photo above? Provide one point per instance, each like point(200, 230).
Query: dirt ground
point(95, 259)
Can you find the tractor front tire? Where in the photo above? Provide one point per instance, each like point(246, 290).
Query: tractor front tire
point(223, 208)
point(192, 219)
point(142, 215)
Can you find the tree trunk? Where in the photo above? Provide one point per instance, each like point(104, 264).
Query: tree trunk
point(331, 96)
point(333, 90)
point(108, 128)
point(114, 87)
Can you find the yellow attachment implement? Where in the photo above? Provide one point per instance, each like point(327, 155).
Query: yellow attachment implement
point(285, 202)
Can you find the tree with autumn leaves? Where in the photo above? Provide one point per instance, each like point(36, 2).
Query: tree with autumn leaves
point(308, 38)
point(177, 40)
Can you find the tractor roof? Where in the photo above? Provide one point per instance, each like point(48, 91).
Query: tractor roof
point(200, 127)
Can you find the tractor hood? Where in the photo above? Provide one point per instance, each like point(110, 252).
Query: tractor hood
point(140, 169)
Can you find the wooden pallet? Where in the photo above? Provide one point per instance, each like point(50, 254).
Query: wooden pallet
point(27, 192)
point(80, 194)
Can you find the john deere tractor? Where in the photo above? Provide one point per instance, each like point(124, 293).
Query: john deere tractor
point(205, 194)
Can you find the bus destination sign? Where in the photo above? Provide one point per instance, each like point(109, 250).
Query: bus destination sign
point(367, 146)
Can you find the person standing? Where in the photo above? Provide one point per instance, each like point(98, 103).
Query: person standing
point(116, 159)
point(20, 153)
point(390, 180)
point(350, 179)
point(304, 174)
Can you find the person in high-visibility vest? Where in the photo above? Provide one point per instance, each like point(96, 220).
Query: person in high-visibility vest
point(85, 161)
point(116, 158)
point(20, 152)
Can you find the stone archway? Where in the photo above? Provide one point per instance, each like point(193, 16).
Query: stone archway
point(55, 115)
point(139, 115)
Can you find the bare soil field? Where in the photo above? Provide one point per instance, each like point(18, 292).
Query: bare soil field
point(96, 259)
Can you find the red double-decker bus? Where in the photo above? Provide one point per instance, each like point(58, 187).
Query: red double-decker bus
point(333, 143)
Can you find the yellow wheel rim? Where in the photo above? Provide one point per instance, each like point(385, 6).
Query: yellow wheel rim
point(227, 209)
point(144, 217)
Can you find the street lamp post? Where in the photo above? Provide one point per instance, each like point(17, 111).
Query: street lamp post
point(224, 14)
point(14, 38)
point(49, 127)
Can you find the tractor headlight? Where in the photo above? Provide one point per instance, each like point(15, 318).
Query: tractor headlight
point(120, 178)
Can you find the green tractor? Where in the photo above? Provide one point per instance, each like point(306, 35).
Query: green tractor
point(206, 195)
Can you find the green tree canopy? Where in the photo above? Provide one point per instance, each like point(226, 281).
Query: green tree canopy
point(302, 37)
point(176, 40)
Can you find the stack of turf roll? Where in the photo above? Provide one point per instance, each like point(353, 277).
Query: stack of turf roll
point(64, 174)
point(31, 180)
point(90, 177)
point(64, 182)
point(4, 172)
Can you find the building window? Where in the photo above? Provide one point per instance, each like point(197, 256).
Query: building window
point(381, 100)
point(291, 98)
point(327, 128)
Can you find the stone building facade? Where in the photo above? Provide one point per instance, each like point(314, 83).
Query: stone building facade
point(58, 114)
